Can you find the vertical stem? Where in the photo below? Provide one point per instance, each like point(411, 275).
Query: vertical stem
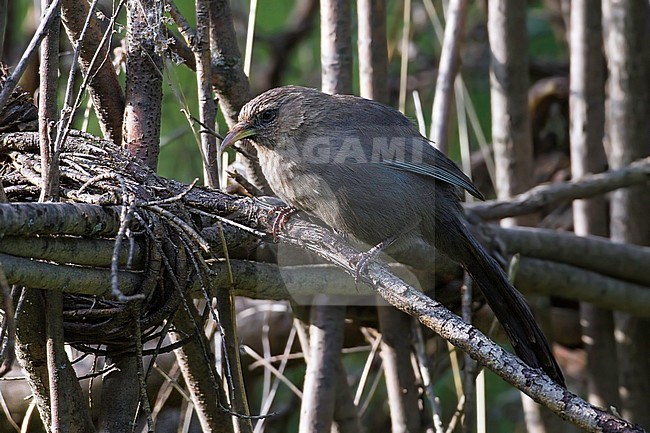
point(207, 108)
point(394, 325)
point(373, 49)
point(404, 65)
point(48, 109)
point(449, 65)
point(513, 147)
point(325, 375)
point(141, 128)
point(627, 131)
point(319, 390)
point(230, 83)
point(587, 119)
point(336, 46)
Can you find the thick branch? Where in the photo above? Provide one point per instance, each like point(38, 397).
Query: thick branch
point(566, 281)
point(624, 261)
point(543, 196)
point(449, 326)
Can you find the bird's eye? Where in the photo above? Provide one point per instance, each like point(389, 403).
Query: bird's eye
point(268, 116)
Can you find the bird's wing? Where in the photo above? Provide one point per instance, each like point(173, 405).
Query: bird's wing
point(444, 170)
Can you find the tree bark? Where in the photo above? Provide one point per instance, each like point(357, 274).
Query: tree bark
point(587, 115)
point(511, 136)
point(628, 133)
point(141, 133)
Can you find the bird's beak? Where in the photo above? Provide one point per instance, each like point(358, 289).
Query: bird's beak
point(238, 132)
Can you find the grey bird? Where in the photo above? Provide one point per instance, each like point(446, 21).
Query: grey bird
point(364, 170)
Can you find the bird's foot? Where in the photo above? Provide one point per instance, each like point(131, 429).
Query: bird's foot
point(283, 214)
point(362, 260)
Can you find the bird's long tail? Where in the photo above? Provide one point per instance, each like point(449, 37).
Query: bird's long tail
point(508, 304)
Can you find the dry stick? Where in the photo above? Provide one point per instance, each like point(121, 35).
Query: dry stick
point(47, 117)
point(41, 31)
point(207, 108)
point(434, 315)
point(542, 196)
point(568, 282)
point(4, 12)
point(250, 33)
point(470, 366)
point(227, 322)
point(447, 70)
point(201, 378)
point(142, 380)
point(404, 62)
point(469, 106)
point(398, 370)
point(424, 363)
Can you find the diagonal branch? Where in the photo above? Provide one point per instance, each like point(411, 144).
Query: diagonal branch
point(543, 196)
point(435, 316)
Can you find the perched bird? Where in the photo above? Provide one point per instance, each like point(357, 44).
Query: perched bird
point(364, 170)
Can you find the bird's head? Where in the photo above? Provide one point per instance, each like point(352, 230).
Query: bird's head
point(273, 117)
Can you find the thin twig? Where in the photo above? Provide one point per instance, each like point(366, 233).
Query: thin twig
point(41, 31)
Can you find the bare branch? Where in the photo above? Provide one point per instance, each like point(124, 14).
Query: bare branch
point(104, 89)
point(623, 261)
point(543, 196)
point(569, 282)
point(449, 326)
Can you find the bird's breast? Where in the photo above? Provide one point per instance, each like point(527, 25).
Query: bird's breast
point(292, 182)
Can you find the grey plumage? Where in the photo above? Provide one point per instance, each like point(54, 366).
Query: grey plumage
point(364, 170)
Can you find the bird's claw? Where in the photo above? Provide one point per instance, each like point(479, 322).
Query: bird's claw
point(360, 263)
point(362, 260)
point(283, 214)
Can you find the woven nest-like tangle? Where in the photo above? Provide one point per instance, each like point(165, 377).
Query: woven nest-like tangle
point(149, 225)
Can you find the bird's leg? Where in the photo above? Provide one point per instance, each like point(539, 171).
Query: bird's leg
point(284, 213)
point(361, 260)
